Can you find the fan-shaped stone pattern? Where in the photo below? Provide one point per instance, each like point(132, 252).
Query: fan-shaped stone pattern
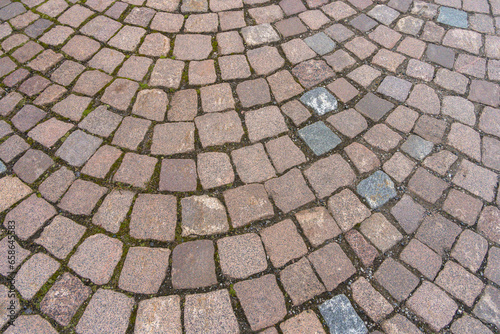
point(201, 160)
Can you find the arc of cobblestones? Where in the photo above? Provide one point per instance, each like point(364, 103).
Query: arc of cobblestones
point(234, 166)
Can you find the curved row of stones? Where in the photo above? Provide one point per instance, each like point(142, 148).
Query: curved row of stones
point(225, 166)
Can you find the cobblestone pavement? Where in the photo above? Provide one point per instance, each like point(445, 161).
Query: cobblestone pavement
point(236, 166)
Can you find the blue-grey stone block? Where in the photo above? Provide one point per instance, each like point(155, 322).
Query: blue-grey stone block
point(320, 43)
point(320, 100)
point(377, 189)
point(453, 17)
point(319, 138)
point(341, 317)
point(417, 147)
point(3, 168)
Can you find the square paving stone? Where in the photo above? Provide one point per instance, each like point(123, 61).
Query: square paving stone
point(319, 138)
point(370, 300)
point(459, 283)
point(343, 90)
point(417, 147)
point(487, 307)
point(136, 170)
point(332, 265)
point(178, 175)
point(34, 273)
point(265, 122)
point(12, 147)
point(380, 232)
point(365, 74)
point(107, 311)
point(113, 210)
point(5, 267)
point(395, 87)
point(161, 313)
point(247, 204)
point(82, 197)
point(120, 93)
point(452, 17)
point(348, 122)
point(422, 258)
point(470, 250)
point(101, 121)
point(260, 34)
point(476, 179)
point(487, 223)
point(210, 312)
point(61, 236)
point(283, 243)
point(408, 213)
point(234, 67)
point(214, 169)
point(173, 138)
point(30, 324)
point(203, 215)
point(347, 209)
point(219, 128)
point(107, 60)
point(329, 174)
point(363, 23)
point(312, 72)
point(144, 269)
point(131, 132)
point(307, 321)
point(32, 165)
point(320, 100)
point(384, 14)
point(289, 191)
point(217, 97)
point(253, 92)
point(363, 249)
point(262, 301)
point(320, 43)
point(27, 117)
point(167, 73)
point(202, 72)
point(192, 47)
point(426, 185)
point(364, 159)
point(96, 258)
point(193, 265)
point(101, 28)
point(284, 153)
point(78, 148)
point(297, 51)
point(265, 60)
point(377, 189)
point(102, 161)
point(341, 317)
point(284, 86)
point(433, 305)
point(229, 42)
point(135, 68)
point(91, 82)
point(155, 45)
point(317, 225)
point(67, 72)
point(12, 190)
point(373, 107)
point(183, 106)
point(154, 217)
point(396, 279)
point(300, 282)
point(241, 255)
point(399, 324)
point(252, 164)
point(468, 324)
point(64, 298)
point(72, 107)
point(438, 233)
point(30, 215)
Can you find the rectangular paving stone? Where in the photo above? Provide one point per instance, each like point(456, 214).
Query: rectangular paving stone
point(370, 300)
point(293, 277)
